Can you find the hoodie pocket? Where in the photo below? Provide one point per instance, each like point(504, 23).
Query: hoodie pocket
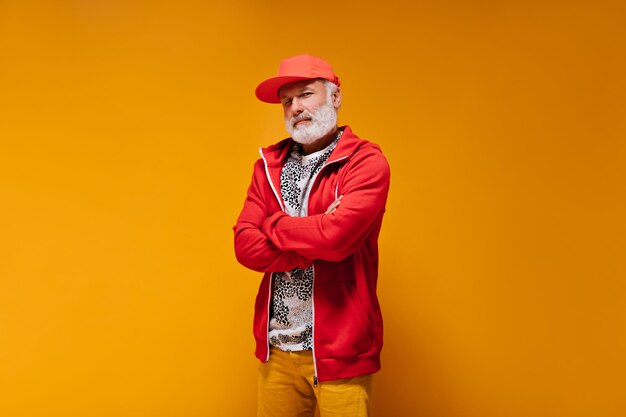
point(343, 327)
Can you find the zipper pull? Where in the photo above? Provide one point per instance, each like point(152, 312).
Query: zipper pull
point(315, 381)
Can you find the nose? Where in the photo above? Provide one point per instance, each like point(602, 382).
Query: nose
point(296, 106)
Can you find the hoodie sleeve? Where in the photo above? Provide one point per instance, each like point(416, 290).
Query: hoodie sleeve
point(253, 248)
point(335, 236)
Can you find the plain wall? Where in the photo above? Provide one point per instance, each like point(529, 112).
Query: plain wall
point(128, 130)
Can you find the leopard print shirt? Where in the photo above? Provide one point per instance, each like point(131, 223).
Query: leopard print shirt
point(291, 323)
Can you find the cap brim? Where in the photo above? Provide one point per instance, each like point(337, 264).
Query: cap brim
point(267, 91)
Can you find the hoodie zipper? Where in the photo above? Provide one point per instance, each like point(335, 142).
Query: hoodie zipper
point(315, 380)
point(282, 207)
point(269, 298)
point(322, 169)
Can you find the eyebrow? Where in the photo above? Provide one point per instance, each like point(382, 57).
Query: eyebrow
point(298, 91)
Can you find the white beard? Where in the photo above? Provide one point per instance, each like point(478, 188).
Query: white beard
point(323, 121)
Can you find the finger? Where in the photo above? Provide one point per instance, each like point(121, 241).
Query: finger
point(333, 206)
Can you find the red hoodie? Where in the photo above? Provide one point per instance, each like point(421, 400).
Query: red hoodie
point(341, 246)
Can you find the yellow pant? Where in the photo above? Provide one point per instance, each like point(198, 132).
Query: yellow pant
point(286, 389)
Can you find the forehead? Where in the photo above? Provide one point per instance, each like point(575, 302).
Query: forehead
point(299, 86)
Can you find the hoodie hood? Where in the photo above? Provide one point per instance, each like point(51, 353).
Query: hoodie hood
point(348, 144)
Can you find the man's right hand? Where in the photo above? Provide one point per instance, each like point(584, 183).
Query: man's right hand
point(334, 205)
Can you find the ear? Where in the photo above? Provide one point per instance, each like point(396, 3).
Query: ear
point(337, 98)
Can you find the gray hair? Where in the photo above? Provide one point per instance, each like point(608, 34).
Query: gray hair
point(331, 88)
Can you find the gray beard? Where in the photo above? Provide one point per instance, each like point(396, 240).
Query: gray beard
point(323, 121)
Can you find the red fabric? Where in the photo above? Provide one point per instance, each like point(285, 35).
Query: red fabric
point(296, 68)
point(342, 246)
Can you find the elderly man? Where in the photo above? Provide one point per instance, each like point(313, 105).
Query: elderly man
point(310, 222)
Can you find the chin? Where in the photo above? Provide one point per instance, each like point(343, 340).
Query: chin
point(306, 138)
point(322, 121)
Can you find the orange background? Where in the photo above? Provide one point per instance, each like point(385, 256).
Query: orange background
point(128, 130)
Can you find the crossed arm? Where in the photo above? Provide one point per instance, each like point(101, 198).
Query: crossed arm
point(255, 251)
point(279, 242)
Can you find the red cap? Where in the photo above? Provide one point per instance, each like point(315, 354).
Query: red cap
point(296, 68)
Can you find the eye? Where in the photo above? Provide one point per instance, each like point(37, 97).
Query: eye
point(286, 102)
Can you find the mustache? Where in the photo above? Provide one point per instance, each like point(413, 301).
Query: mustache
point(300, 117)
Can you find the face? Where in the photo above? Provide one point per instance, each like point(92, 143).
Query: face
point(310, 111)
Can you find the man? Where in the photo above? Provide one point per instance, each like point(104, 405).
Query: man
point(310, 222)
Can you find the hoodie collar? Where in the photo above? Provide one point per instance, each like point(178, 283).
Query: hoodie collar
point(346, 146)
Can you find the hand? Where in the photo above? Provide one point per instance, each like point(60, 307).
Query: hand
point(334, 205)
